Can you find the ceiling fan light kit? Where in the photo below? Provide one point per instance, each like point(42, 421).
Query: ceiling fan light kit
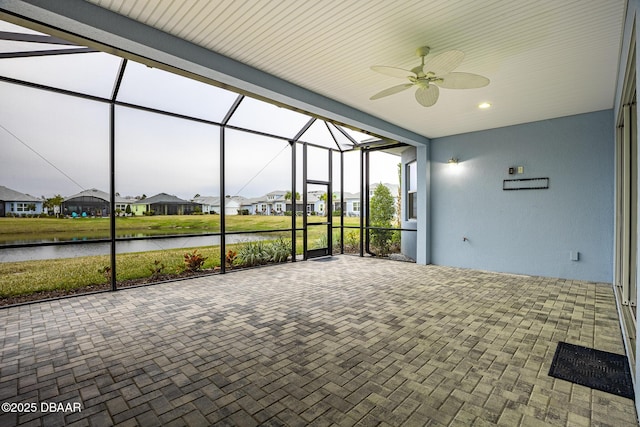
point(428, 78)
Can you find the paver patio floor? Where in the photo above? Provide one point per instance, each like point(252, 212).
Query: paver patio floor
point(350, 341)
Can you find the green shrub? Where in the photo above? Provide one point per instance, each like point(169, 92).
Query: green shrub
point(323, 241)
point(106, 273)
point(157, 269)
point(382, 211)
point(252, 253)
point(352, 241)
point(279, 250)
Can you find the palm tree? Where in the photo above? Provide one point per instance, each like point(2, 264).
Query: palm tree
point(287, 195)
point(327, 206)
point(54, 201)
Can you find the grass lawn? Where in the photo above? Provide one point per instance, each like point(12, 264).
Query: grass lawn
point(28, 277)
point(13, 230)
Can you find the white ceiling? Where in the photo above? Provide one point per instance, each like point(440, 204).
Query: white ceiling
point(545, 58)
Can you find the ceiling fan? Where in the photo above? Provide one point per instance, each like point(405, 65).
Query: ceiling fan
point(430, 77)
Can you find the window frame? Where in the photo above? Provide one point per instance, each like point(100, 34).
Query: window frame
point(412, 190)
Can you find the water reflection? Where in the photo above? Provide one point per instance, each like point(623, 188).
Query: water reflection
point(103, 248)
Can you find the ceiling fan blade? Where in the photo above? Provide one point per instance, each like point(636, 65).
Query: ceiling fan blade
point(462, 81)
point(427, 96)
point(393, 71)
point(445, 62)
point(390, 91)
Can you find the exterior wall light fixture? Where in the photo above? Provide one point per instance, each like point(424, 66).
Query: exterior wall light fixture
point(453, 161)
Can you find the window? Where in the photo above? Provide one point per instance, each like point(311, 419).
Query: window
point(356, 206)
point(412, 191)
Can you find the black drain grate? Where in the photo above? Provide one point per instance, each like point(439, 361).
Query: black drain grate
point(600, 370)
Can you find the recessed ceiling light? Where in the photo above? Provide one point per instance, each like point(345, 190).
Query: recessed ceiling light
point(484, 105)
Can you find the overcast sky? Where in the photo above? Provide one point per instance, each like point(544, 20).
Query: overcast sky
point(58, 144)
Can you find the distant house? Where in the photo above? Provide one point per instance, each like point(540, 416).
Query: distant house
point(92, 202)
point(299, 206)
point(122, 203)
point(351, 202)
point(252, 206)
point(211, 205)
point(272, 203)
point(315, 204)
point(164, 204)
point(277, 202)
point(138, 207)
point(208, 204)
point(13, 202)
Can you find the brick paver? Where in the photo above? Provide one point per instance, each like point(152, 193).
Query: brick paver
point(352, 341)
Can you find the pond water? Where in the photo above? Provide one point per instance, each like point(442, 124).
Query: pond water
point(90, 249)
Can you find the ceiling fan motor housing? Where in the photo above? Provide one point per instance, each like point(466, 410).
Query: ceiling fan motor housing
point(422, 51)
